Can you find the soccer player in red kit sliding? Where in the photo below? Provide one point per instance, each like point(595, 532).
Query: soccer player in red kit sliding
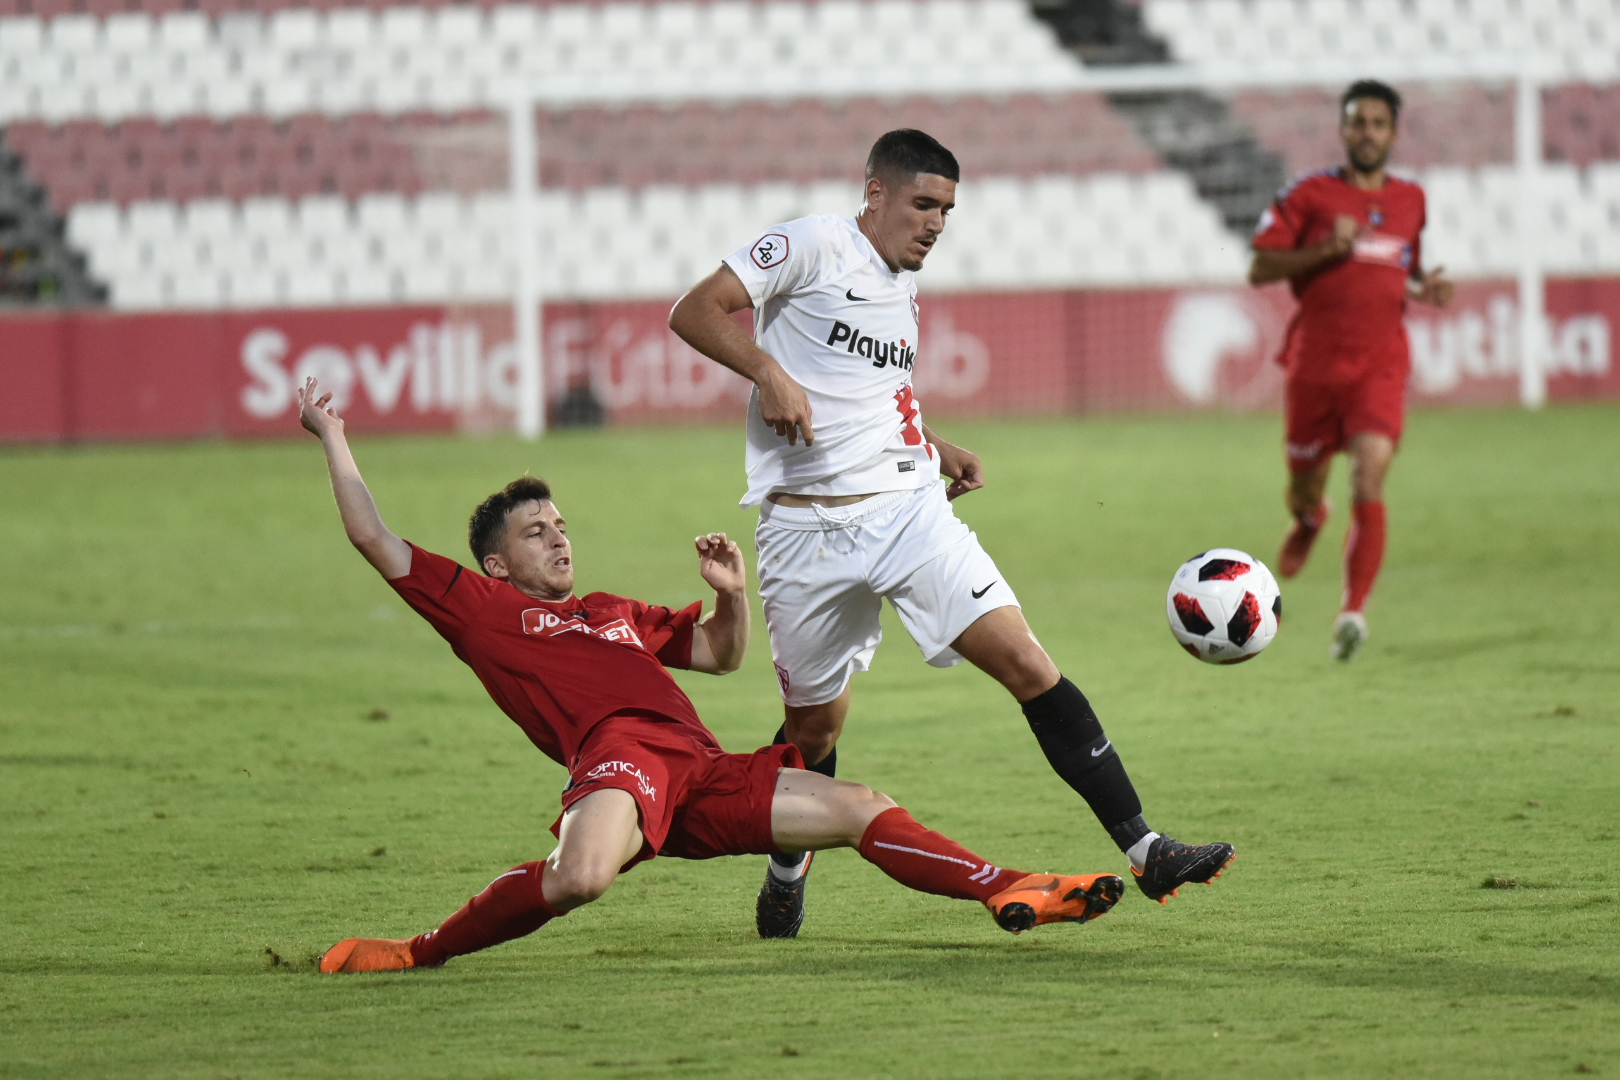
point(1349, 242)
point(584, 678)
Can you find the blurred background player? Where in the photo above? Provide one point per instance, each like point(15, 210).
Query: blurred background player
point(846, 477)
point(1349, 242)
point(585, 679)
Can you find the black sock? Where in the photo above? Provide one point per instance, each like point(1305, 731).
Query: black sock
point(827, 766)
point(1072, 738)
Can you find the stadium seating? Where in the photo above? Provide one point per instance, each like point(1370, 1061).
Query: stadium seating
point(1579, 39)
point(1467, 124)
point(800, 141)
point(261, 152)
point(608, 242)
point(446, 59)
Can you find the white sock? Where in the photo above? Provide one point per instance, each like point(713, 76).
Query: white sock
point(1138, 851)
point(788, 874)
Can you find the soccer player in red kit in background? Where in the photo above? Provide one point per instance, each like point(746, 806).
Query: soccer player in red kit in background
point(585, 679)
point(1349, 242)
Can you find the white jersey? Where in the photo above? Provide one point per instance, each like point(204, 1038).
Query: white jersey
point(844, 326)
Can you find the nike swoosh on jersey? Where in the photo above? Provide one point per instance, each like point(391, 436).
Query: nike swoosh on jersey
point(850, 295)
point(986, 589)
point(1103, 749)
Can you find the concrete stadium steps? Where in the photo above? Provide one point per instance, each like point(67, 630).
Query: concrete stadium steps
point(611, 242)
point(798, 142)
point(1580, 37)
point(36, 264)
point(1441, 125)
point(409, 58)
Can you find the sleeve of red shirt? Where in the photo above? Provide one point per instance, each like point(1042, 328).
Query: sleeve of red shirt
point(1282, 226)
point(443, 592)
point(667, 633)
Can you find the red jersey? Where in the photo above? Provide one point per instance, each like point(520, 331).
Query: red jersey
point(1349, 321)
point(558, 669)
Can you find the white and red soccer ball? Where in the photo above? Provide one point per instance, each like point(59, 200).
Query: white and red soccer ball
point(1224, 606)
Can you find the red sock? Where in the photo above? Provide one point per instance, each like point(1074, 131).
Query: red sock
point(1363, 553)
point(921, 859)
point(511, 907)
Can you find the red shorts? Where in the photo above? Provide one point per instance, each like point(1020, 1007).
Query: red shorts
point(696, 800)
point(1322, 416)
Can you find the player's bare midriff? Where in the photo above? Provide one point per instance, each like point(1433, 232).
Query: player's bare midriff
point(784, 498)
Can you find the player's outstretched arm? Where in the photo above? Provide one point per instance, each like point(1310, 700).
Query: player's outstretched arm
point(722, 638)
point(1279, 264)
point(963, 467)
point(703, 320)
point(382, 549)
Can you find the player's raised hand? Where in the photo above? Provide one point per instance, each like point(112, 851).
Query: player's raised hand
point(314, 410)
point(785, 406)
point(720, 561)
point(1435, 288)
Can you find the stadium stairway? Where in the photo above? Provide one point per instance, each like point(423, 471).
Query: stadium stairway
point(36, 264)
point(1192, 131)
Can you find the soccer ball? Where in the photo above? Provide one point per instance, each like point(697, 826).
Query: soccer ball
point(1224, 606)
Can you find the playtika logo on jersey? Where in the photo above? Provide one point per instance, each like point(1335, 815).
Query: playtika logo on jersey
point(881, 353)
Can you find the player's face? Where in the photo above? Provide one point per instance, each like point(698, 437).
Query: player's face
point(907, 220)
point(1368, 131)
point(536, 556)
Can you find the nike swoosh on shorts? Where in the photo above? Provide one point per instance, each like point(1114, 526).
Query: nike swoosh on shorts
point(850, 295)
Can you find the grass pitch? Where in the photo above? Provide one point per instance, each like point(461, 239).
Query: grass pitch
point(225, 744)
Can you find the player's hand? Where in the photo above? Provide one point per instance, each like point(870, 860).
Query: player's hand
point(1435, 288)
point(313, 411)
point(785, 406)
point(964, 468)
point(720, 561)
point(1343, 240)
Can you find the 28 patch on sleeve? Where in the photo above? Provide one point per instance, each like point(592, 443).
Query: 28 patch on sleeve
point(771, 249)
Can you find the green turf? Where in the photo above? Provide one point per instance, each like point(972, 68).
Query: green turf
point(199, 793)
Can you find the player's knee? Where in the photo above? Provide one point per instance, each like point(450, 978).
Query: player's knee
point(815, 733)
point(1029, 672)
point(815, 746)
point(862, 805)
point(571, 883)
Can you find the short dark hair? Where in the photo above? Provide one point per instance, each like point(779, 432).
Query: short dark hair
point(486, 529)
point(1372, 88)
point(906, 152)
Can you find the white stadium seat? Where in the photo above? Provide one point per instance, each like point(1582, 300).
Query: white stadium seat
point(352, 29)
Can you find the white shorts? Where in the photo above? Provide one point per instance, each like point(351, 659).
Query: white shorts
point(824, 571)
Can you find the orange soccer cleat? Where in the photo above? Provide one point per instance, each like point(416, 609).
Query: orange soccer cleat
point(1045, 898)
point(368, 954)
point(1296, 547)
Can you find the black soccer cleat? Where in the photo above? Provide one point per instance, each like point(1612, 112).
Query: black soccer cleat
point(1171, 864)
point(779, 911)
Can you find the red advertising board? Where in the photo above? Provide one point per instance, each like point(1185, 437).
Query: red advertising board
point(101, 376)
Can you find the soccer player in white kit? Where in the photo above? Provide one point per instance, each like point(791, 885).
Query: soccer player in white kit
point(846, 476)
